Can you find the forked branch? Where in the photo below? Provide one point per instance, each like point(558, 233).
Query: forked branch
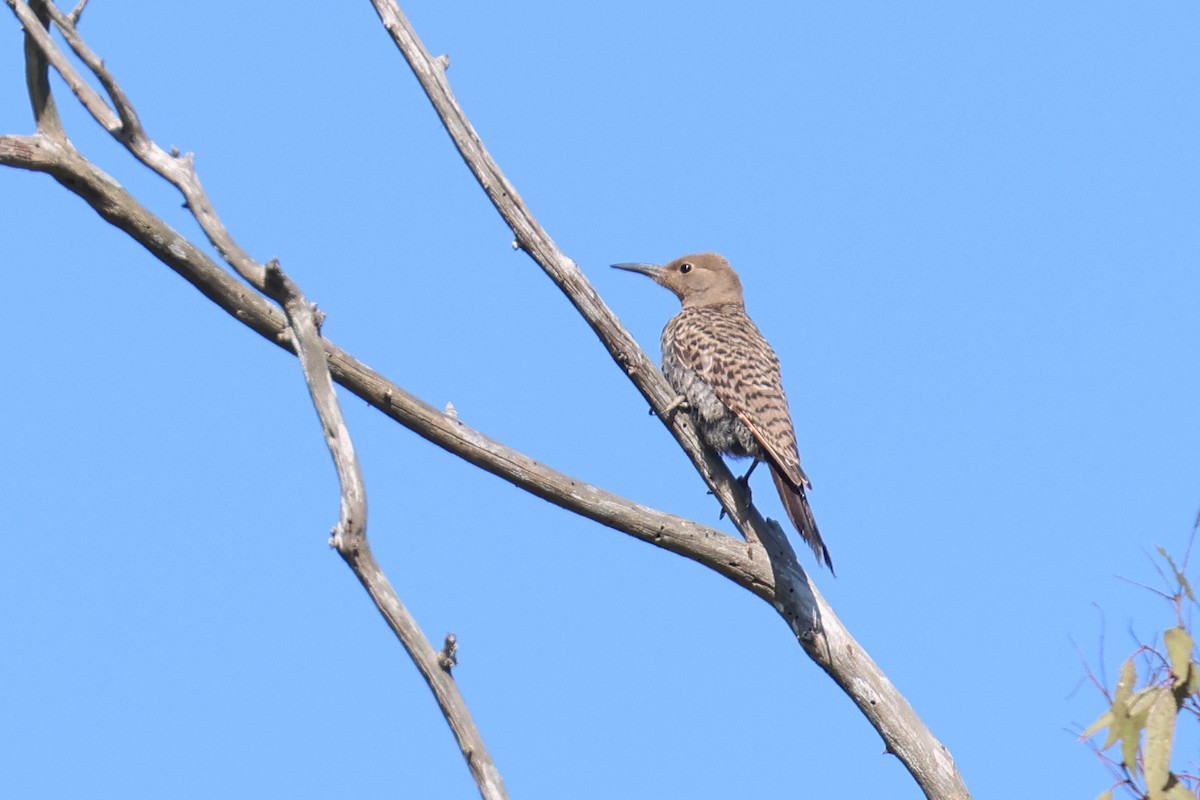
point(764, 564)
point(50, 151)
point(816, 627)
point(350, 535)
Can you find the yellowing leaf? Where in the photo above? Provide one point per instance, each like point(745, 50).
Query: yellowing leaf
point(1129, 728)
point(1105, 720)
point(1160, 736)
point(1179, 651)
point(1139, 705)
point(1129, 747)
point(1177, 791)
point(1120, 704)
point(1119, 722)
point(1125, 682)
point(1179, 576)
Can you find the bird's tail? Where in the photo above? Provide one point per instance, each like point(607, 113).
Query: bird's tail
point(801, 516)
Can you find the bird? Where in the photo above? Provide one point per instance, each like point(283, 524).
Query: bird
point(728, 380)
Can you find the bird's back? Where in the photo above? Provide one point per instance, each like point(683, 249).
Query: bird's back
point(718, 360)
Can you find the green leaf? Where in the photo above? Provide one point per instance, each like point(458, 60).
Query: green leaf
point(1193, 683)
point(1160, 736)
point(1179, 651)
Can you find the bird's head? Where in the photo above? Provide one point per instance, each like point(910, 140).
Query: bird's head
point(701, 279)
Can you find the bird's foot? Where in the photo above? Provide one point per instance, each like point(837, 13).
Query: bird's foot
point(744, 482)
point(680, 403)
point(745, 479)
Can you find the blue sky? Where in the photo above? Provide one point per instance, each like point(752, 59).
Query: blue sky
point(970, 233)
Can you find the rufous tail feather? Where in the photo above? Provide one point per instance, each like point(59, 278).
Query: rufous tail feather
point(799, 512)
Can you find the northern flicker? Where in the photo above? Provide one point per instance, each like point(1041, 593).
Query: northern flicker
point(717, 361)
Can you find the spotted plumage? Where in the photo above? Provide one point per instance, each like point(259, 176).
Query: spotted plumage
point(715, 357)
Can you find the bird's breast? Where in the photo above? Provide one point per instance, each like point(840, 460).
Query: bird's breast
point(717, 424)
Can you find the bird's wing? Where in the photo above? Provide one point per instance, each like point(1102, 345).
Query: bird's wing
point(743, 372)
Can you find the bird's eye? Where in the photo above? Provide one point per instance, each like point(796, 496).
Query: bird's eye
point(685, 268)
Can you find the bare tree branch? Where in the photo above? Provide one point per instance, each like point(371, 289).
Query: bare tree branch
point(305, 339)
point(37, 79)
point(127, 129)
point(350, 535)
point(822, 635)
point(531, 237)
point(765, 564)
point(304, 324)
point(712, 548)
point(37, 32)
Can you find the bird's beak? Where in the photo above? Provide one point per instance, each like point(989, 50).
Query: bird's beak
point(652, 271)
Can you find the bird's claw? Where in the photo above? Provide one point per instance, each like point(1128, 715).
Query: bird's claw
point(744, 482)
point(745, 479)
point(680, 403)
